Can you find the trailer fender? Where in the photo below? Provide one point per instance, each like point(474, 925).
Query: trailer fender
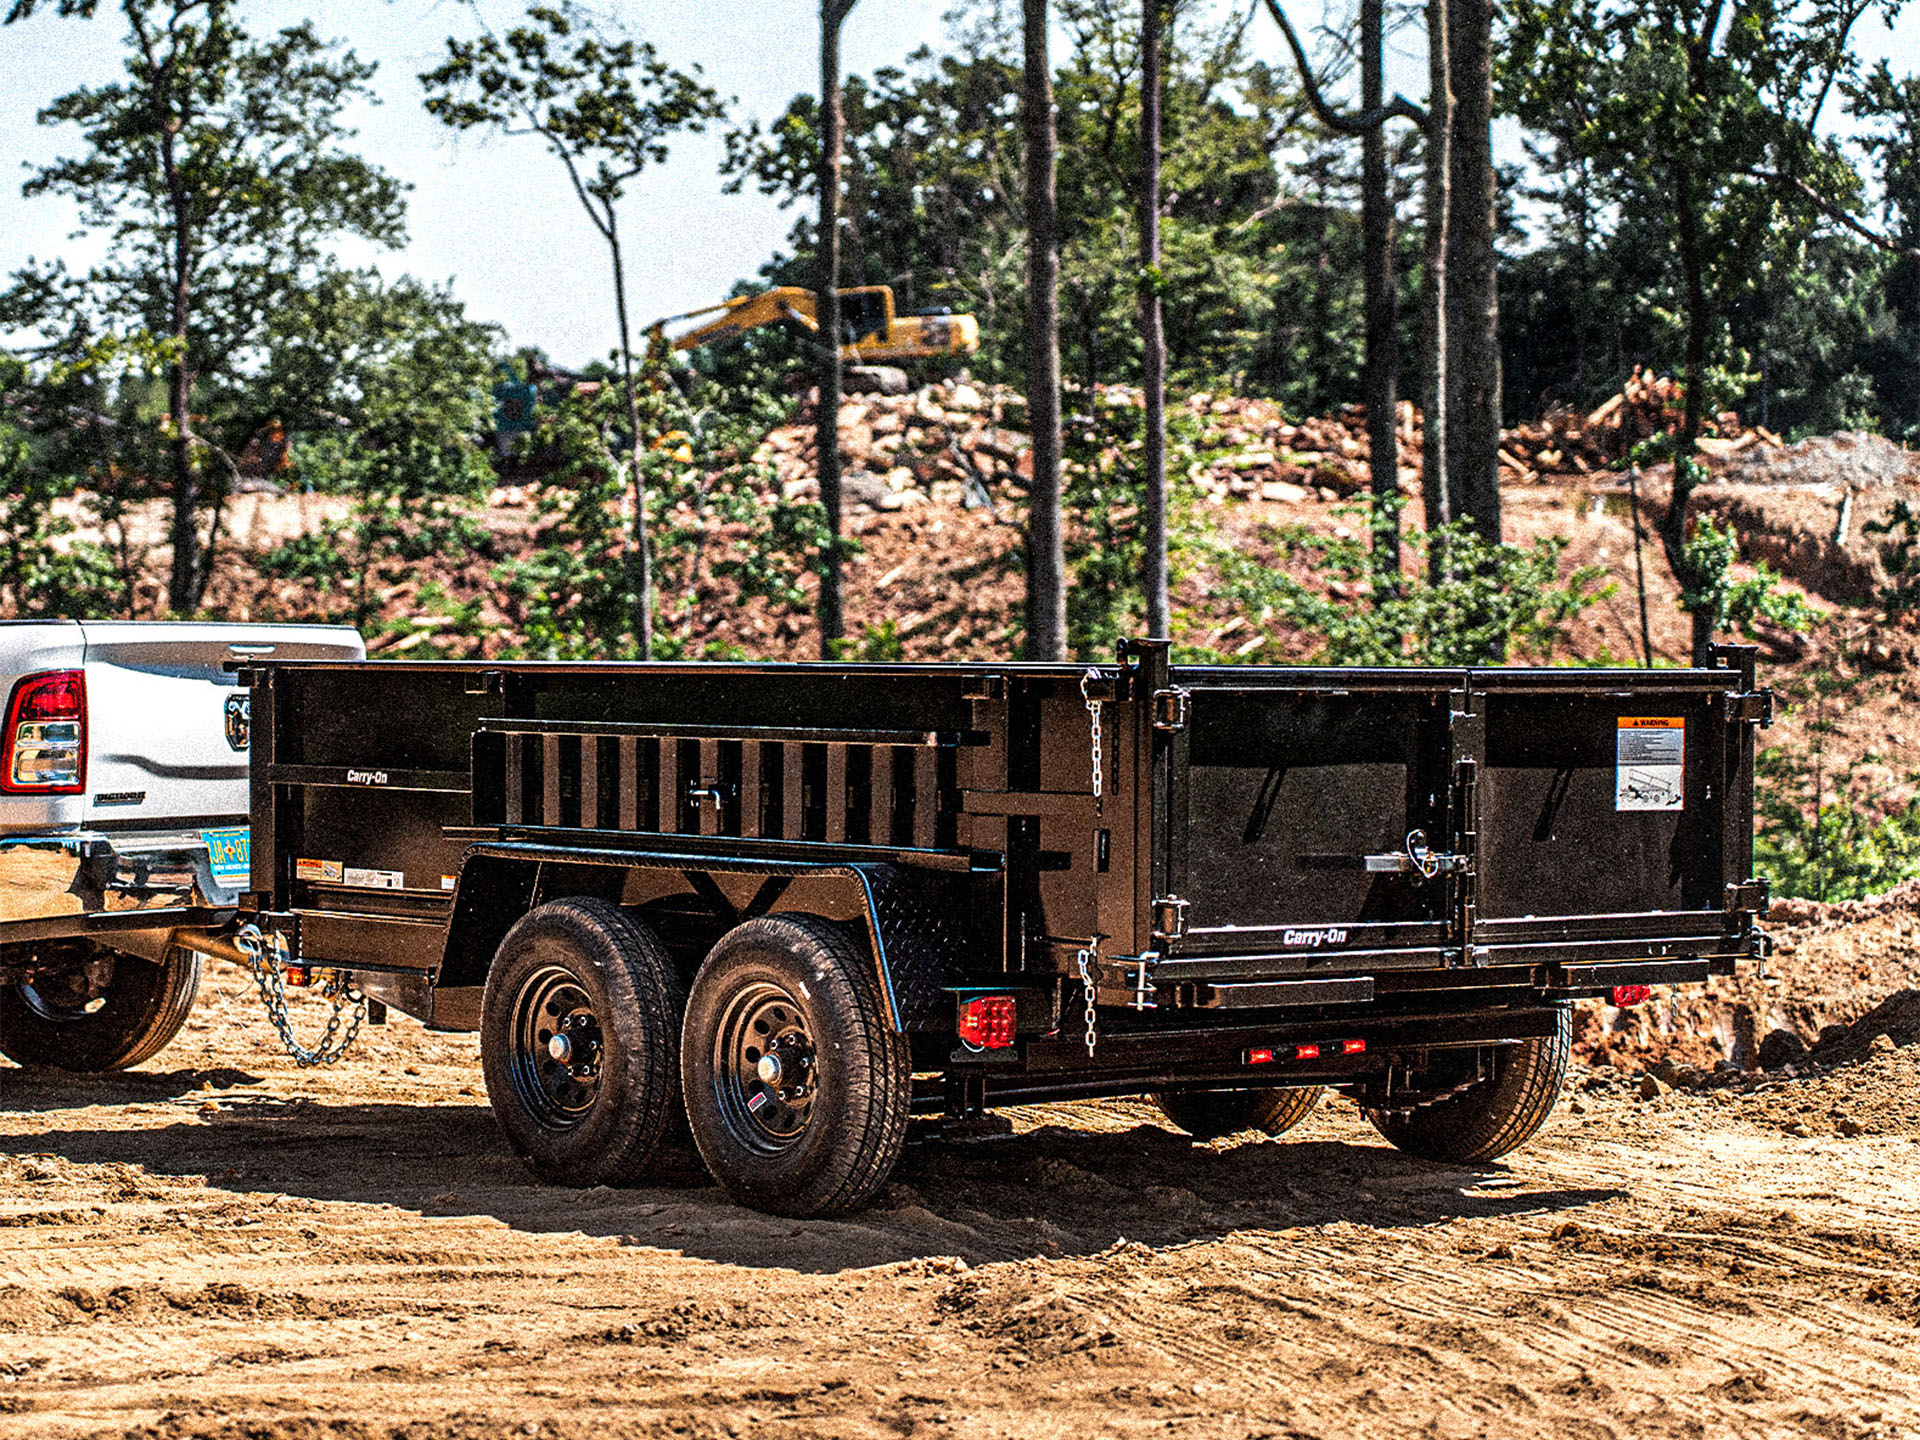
point(912, 919)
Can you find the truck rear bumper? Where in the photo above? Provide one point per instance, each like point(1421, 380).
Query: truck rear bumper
point(87, 882)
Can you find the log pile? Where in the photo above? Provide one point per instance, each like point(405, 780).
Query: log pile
point(954, 442)
point(1566, 443)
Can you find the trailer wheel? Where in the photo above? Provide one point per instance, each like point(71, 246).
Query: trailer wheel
point(1210, 1114)
point(107, 1011)
point(1495, 1117)
point(577, 1035)
point(797, 1085)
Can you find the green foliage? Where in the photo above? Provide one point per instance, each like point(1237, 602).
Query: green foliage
point(1824, 831)
point(604, 104)
point(1901, 554)
point(43, 571)
point(1837, 847)
point(1494, 604)
point(1732, 603)
point(217, 173)
point(1260, 275)
point(882, 642)
point(575, 593)
point(1701, 194)
point(392, 383)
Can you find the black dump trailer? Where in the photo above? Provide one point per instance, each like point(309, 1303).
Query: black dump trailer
point(807, 901)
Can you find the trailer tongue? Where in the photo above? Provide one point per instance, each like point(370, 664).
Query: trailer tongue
point(804, 900)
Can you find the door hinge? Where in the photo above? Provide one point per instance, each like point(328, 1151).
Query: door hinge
point(1753, 706)
point(1169, 918)
point(1172, 708)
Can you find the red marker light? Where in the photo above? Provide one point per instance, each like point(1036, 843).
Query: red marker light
point(1625, 995)
point(1353, 1047)
point(1306, 1052)
point(1259, 1057)
point(987, 1022)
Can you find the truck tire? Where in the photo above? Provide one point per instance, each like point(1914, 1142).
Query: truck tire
point(797, 1085)
point(577, 1035)
point(108, 1012)
point(1495, 1117)
point(1210, 1114)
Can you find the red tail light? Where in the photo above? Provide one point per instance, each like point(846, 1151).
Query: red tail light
point(1306, 1052)
point(46, 735)
point(988, 1022)
point(1625, 995)
point(1353, 1047)
point(1259, 1057)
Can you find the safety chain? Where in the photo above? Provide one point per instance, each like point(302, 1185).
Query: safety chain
point(268, 975)
point(1093, 713)
point(1089, 961)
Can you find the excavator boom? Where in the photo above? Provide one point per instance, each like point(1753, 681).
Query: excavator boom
point(871, 333)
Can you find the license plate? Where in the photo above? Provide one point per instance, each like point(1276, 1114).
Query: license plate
point(231, 854)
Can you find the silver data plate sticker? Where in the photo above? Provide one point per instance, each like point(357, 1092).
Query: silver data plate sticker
point(1650, 754)
point(375, 879)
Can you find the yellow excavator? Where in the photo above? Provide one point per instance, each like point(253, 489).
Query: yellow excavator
point(870, 333)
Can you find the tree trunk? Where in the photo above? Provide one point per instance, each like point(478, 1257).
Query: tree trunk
point(185, 584)
point(1382, 371)
point(1673, 526)
point(639, 559)
point(1473, 432)
point(1046, 548)
point(833, 623)
point(1152, 328)
point(1441, 506)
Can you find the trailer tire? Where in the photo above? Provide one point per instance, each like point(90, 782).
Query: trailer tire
point(1211, 1114)
point(797, 1085)
point(1493, 1118)
point(578, 1030)
point(138, 1006)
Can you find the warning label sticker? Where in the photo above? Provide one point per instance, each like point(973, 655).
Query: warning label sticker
point(1649, 760)
point(327, 870)
point(376, 879)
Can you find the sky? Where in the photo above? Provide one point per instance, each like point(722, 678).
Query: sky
point(494, 216)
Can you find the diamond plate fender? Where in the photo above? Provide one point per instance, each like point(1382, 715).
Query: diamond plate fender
point(919, 938)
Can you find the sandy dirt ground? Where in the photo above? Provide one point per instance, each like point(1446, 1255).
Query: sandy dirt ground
point(224, 1245)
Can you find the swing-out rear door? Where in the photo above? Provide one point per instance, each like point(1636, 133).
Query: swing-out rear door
point(1613, 820)
point(1311, 830)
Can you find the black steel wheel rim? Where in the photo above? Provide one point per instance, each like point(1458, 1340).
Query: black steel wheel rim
point(67, 998)
point(764, 1068)
point(557, 1046)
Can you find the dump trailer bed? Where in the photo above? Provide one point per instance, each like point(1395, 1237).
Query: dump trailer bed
point(1228, 887)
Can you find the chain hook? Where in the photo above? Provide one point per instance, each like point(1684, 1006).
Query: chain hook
point(269, 977)
point(1093, 714)
point(1088, 959)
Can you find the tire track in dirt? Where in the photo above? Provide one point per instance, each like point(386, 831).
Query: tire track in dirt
point(1662, 1269)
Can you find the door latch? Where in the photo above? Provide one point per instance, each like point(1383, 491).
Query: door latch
point(1172, 708)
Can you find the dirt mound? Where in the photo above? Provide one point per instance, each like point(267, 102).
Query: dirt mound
point(1851, 458)
point(1904, 897)
point(1874, 1091)
point(1832, 965)
point(1895, 1019)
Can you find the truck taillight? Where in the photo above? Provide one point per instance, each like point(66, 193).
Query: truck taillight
point(1627, 995)
point(46, 735)
point(987, 1023)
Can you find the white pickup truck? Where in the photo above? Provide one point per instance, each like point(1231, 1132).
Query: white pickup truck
point(123, 818)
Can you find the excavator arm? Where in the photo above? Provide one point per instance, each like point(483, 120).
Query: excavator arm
point(872, 334)
point(743, 313)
